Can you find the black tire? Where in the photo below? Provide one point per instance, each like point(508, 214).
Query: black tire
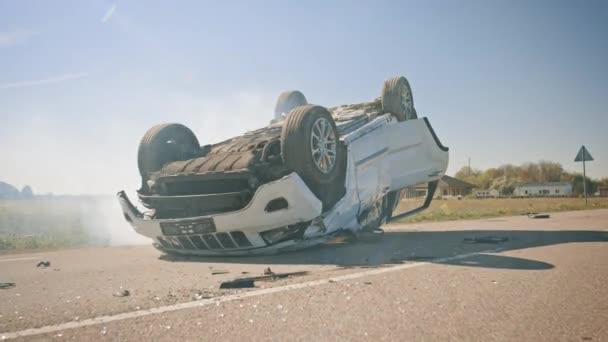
point(163, 144)
point(324, 178)
point(287, 101)
point(397, 98)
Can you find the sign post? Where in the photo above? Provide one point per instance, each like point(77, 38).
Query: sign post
point(584, 155)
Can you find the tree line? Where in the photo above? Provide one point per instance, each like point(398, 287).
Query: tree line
point(504, 178)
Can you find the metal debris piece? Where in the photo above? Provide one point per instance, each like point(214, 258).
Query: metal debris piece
point(268, 271)
point(216, 272)
point(7, 285)
point(486, 239)
point(44, 263)
point(122, 293)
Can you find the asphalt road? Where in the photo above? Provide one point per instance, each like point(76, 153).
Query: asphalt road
point(548, 282)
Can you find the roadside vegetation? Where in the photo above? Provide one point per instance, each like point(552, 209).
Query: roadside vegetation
point(470, 208)
point(505, 177)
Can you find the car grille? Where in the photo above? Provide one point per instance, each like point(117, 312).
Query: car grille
point(215, 241)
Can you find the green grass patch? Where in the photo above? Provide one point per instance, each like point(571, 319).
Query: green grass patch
point(445, 210)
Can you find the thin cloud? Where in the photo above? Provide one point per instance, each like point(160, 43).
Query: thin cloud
point(43, 81)
point(8, 39)
point(109, 13)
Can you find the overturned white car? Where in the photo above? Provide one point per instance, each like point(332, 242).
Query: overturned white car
point(311, 174)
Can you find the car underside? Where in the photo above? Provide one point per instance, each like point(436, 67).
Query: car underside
point(309, 175)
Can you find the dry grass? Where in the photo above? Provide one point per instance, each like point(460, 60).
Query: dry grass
point(444, 210)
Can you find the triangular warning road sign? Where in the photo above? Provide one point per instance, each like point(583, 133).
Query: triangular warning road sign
point(583, 155)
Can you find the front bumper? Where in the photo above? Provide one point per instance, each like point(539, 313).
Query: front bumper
point(237, 232)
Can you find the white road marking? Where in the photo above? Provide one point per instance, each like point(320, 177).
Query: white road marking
point(17, 259)
point(205, 302)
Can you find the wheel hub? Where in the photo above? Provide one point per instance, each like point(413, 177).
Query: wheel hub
point(406, 100)
point(323, 145)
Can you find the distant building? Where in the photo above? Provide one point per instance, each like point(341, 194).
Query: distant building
point(548, 189)
point(448, 186)
point(491, 193)
point(603, 191)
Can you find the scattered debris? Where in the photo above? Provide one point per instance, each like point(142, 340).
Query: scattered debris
point(122, 293)
point(367, 282)
point(200, 295)
point(104, 331)
point(44, 263)
point(244, 272)
point(538, 216)
point(487, 239)
point(250, 282)
point(268, 271)
point(7, 285)
point(237, 284)
point(216, 272)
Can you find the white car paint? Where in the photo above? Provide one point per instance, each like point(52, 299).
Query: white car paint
point(383, 155)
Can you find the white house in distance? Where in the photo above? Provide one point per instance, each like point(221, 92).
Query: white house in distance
point(492, 193)
point(543, 189)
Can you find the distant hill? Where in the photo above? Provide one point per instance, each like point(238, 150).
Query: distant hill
point(8, 191)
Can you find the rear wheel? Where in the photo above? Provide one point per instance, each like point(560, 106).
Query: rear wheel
point(163, 144)
point(287, 101)
point(397, 98)
point(310, 147)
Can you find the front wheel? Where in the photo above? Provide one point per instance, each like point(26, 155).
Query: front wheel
point(163, 144)
point(310, 147)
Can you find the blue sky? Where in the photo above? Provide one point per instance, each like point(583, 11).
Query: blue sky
point(501, 81)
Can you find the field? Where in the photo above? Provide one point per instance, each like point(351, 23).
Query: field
point(61, 222)
point(453, 209)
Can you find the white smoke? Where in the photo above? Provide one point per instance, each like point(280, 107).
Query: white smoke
point(99, 157)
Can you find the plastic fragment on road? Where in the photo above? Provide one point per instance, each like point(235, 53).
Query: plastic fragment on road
point(7, 285)
point(44, 263)
point(238, 284)
point(486, 239)
point(539, 216)
point(216, 272)
point(250, 282)
point(122, 293)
